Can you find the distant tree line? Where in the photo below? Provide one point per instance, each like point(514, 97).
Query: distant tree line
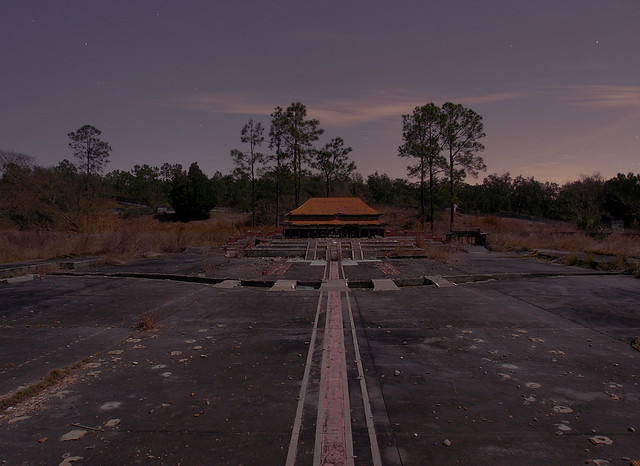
point(591, 202)
point(270, 184)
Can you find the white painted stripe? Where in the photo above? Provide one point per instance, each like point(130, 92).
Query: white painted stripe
point(347, 404)
point(317, 451)
point(371, 428)
point(297, 424)
point(306, 252)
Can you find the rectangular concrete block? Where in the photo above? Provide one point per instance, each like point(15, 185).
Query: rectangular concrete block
point(334, 285)
point(440, 282)
point(227, 284)
point(284, 285)
point(20, 279)
point(384, 284)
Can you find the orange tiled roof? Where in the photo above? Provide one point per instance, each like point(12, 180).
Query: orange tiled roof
point(332, 222)
point(334, 205)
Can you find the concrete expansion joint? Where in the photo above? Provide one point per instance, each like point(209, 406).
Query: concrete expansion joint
point(337, 284)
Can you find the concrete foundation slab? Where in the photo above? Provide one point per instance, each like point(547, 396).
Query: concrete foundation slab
point(526, 368)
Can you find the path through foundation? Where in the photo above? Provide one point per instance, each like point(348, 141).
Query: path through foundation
point(333, 439)
point(334, 443)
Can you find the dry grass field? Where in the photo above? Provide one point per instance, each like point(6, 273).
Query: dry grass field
point(514, 234)
point(119, 239)
point(608, 250)
point(507, 234)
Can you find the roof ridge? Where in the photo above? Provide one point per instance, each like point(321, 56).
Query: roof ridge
point(347, 205)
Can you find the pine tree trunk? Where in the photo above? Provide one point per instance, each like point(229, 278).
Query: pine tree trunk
point(451, 193)
point(431, 207)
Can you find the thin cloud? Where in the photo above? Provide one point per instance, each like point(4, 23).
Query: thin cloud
point(608, 96)
point(338, 112)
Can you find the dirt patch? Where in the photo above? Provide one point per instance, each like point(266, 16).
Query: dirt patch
point(278, 269)
point(387, 268)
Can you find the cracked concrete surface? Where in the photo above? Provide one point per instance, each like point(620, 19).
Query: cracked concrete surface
point(527, 370)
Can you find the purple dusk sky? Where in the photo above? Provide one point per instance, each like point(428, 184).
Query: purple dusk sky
point(556, 82)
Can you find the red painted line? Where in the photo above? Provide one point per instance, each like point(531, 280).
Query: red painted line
point(297, 425)
point(333, 431)
point(334, 417)
point(334, 271)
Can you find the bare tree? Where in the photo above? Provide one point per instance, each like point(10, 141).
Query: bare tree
point(247, 162)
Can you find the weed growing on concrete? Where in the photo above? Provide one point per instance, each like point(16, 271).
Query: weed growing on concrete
point(617, 264)
point(146, 323)
point(207, 266)
point(589, 261)
point(440, 252)
point(571, 259)
point(635, 343)
point(402, 249)
point(53, 378)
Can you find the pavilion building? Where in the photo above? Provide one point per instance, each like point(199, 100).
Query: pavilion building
point(344, 217)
